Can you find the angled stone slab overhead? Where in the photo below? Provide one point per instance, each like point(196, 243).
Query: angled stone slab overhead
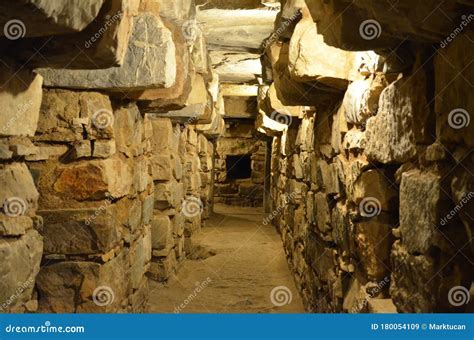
point(236, 67)
point(368, 24)
point(20, 97)
point(343, 25)
point(294, 93)
point(275, 105)
point(198, 104)
point(150, 62)
point(311, 59)
point(184, 73)
point(241, 30)
point(37, 18)
point(102, 44)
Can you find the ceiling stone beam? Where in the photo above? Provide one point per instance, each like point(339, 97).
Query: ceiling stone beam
point(238, 30)
point(229, 90)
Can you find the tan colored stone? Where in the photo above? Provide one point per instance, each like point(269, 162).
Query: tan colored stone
point(91, 231)
point(374, 240)
point(162, 233)
point(402, 121)
point(19, 195)
point(43, 18)
point(69, 286)
point(374, 185)
point(309, 61)
point(93, 180)
point(149, 63)
point(20, 95)
point(20, 258)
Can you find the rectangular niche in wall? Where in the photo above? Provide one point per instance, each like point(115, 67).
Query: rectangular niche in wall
point(238, 167)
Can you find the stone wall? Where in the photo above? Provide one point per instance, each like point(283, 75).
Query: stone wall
point(181, 168)
point(371, 184)
point(240, 140)
point(21, 245)
point(106, 157)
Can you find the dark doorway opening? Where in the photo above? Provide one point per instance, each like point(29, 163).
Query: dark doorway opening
point(238, 167)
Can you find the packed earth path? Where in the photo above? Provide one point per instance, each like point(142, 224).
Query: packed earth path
point(238, 266)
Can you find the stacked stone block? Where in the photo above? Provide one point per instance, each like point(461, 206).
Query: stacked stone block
point(371, 193)
point(93, 175)
point(21, 245)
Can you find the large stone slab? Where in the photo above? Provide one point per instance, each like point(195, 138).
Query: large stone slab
point(419, 223)
point(362, 99)
point(65, 114)
point(36, 18)
point(20, 95)
point(402, 121)
point(174, 95)
point(81, 184)
point(93, 180)
point(367, 24)
point(129, 130)
point(102, 44)
point(149, 62)
point(374, 242)
point(20, 258)
point(374, 193)
point(412, 287)
point(89, 231)
point(309, 61)
point(80, 286)
point(19, 195)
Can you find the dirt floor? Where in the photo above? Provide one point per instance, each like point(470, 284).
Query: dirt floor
point(240, 267)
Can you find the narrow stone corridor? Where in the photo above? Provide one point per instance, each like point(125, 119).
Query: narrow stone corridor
point(237, 265)
point(236, 156)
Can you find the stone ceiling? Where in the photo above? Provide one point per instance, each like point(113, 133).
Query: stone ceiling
point(235, 31)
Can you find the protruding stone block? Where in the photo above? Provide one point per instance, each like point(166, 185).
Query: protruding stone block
point(149, 62)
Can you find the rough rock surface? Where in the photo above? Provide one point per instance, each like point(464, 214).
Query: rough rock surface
point(149, 63)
